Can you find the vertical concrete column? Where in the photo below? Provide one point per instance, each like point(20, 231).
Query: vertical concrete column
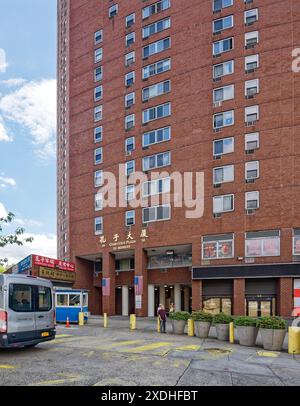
point(239, 297)
point(177, 297)
point(186, 298)
point(162, 295)
point(109, 271)
point(125, 301)
point(197, 300)
point(285, 295)
point(151, 295)
point(141, 261)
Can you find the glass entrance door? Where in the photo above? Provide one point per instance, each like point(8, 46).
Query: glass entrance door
point(260, 306)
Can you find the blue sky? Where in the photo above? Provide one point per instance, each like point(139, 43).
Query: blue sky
point(27, 120)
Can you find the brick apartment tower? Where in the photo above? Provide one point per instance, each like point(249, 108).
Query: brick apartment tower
point(188, 86)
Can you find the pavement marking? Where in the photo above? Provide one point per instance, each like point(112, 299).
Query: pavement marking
point(65, 379)
point(119, 344)
point(272, 354)
point(189, 348)
point(218, 352)
point(7, 367)
point(89, 354)
point(115, 382)
point(63, 335)
point(149, 347)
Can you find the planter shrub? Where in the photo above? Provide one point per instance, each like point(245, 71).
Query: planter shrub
point(179, 320)
point(202, 316)
point(247, 330)
point(222, 322)
point(222, 318)
point(273, 331)
point(273, 322)
point(202, 322)
point(179, 316)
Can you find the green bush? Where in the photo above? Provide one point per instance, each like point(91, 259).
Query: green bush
point(245, 321)
point(179, 316)
point(273, 322)
point(202, 316)
point(222, 318)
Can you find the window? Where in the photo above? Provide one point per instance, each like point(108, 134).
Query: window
point(129, 145)
point(251, 115)
point(223, 174)
point(130, 20)
point(62, 300)
point(129, 121)
point(296, 241)
point(130, 218)
point(155, 8)
point(156, 90)
point(252, 170)
point(251, 88)
point(113, 11)
point(98, 225)
point(252, 200)
point(98, 93)
point(156, 27)
point(129, 168)
point(251, 39)
point(223, 69)
point(98, 155)
point(217, 246)
point(98, 134)
point(129, 79)
point(130, 39)
point(224, 146)
point(98, 37)
point(223, 119)
point(98, 74)
point(156, 161)
point(251, 63)
point(219, 4)
point(155, 113)
point(129, 99)
point(98, 113)
point(21, 298)
point(99, 201)
point(125, 264)
point(224, 45)
point(98, 179)
point(156, 187)
point(251, 16)
point(156, 47)
point(223, 204)
point(129, 193)
point(98, 55)
point(223, 93)
point(262, 244)
point(251, 141)
point(130, 58)
point(222, 24)
point(156, 213)
point(156, 136)
point(156, 68)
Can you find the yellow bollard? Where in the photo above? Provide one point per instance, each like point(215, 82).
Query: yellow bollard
point(231, 333)
point(294, 340)
point(158, 325)
point(191, 328)
point(81, 319)
point(105, 320)
point(132, 322)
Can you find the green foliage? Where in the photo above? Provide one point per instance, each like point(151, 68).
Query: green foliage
point(273, 322)
point(11, 239)
point(202, 316)
point(222, 318)
point(245, 321)
point(179, 316)
point(2, 269)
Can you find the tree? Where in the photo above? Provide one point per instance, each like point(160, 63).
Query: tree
point(11, 239)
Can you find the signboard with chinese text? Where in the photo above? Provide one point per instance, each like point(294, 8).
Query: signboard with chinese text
point(56, 274)
point(38, 260)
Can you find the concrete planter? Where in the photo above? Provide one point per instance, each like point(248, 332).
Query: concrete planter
point(178, 326)
point(272, 339)
point(202, 328)
point(222, 332)
point(247, 335)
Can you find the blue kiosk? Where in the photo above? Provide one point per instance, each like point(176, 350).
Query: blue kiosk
point(69, 303)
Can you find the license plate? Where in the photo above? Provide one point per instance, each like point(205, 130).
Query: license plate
point(45, 334)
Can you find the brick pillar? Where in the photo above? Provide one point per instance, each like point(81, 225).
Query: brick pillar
point(109, 271)
point(239, 297)
point(141, 261)
point(197, 301)
point(285, 295)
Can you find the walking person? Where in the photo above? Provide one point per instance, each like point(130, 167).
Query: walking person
point(162, 314)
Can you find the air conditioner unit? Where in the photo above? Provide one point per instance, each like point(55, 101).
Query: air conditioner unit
point(217, 185)
point(250, 96)
point(216, 157)
point(251, 70)
point(249, 151)
point(251, 45)
point(217, 215)
point(217, 104)
point(250, 123)
point(217, 11)
point(217, 55)
point(250, 211)
point(128, 228)
point(217, 130)
point(249, 23)
point(252, 180)
point(217, 79)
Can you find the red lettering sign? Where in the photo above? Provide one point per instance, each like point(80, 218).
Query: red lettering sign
point(53, 263)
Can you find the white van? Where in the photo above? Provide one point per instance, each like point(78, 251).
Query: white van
point(27, 313)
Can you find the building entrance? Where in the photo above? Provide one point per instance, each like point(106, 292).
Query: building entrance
point(260, 306)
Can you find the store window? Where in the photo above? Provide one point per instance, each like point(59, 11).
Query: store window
point(217, 246)
point(217, 305)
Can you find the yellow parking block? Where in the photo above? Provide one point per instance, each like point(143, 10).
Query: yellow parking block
point(271, 354)
point(7, 367)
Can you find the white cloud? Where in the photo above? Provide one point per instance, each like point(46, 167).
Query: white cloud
point(3, 212)
point(27, 223)
point(43, 244)
point(3, 62)
point(33, 106)
point(5, 182)
point(3, 132)
point(14, 82)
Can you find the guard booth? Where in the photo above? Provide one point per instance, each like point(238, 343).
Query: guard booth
point(69, 303)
